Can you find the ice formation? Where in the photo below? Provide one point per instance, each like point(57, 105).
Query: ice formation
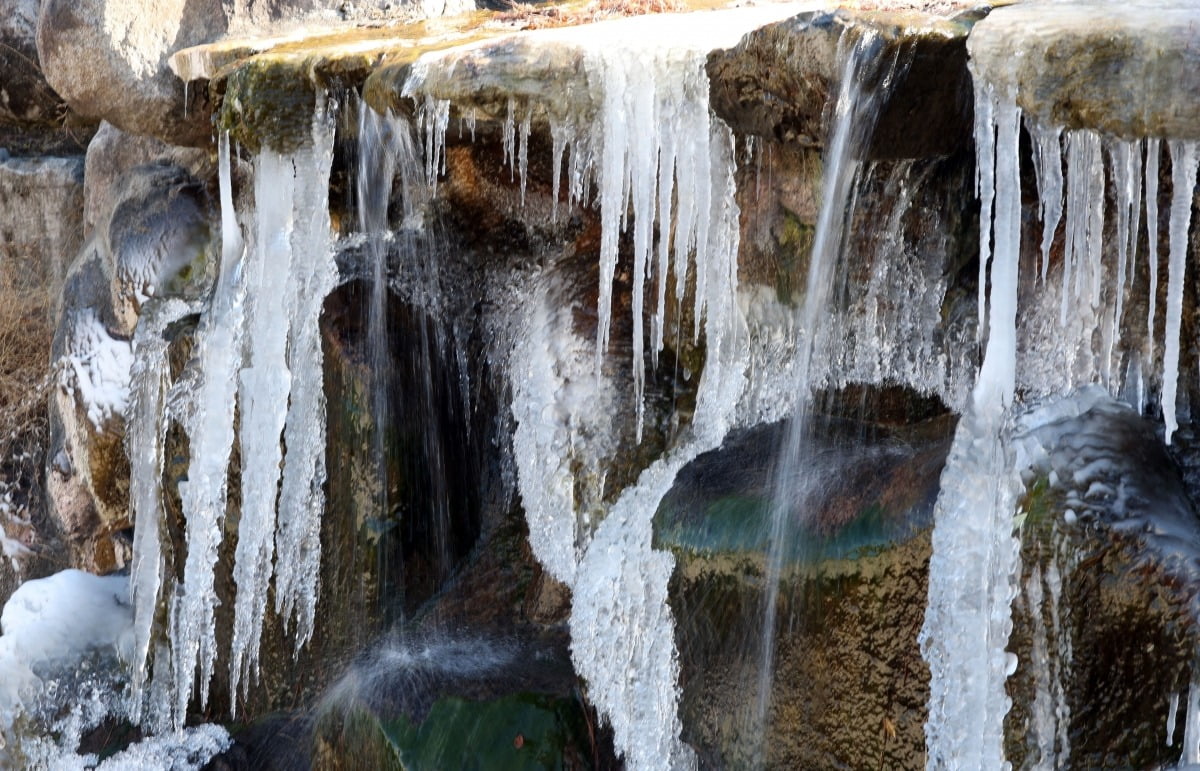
point(1074, 331)
point(647, 139)
point(258, 346)
point(975, 556)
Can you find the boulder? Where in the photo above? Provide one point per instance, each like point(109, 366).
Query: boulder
point(113, 152)
point(108, 60)
point(87, 475)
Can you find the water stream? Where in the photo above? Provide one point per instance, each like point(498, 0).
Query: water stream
point(867, 74)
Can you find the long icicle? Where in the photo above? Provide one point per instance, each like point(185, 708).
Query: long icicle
point(1183, 181)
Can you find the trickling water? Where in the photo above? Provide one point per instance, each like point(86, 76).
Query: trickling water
point(863, 87)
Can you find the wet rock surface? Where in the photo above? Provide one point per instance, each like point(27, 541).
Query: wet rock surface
point(1106, 615)
point(777, 81)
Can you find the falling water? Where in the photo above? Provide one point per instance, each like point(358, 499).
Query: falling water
point(865, 80)
point(376, 171)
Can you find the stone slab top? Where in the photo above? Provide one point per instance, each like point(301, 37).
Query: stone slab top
point(1127, 69)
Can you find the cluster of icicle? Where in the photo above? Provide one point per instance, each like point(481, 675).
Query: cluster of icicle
point(1074, 331)
point(257, 347)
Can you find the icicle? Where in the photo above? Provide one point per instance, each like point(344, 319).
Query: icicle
point(471, 124)
point(523, 150)
point(1121, 156)
point(560, 137)
point(975, 556)
point(509, 139)
point(145, 438)
point(263, 386)
point(210, 432)
point(1191, 728)
point(434, 120)
point(1152, 155)
point(666, 190)
point(302, 497)
point(985, 188)
point(1048, 146)
point(1172, 713)
point(1085, 221)
point(1183, 181)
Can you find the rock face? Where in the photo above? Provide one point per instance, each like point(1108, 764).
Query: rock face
point(1130, 71)
point(776, 82)
point(113, 152)
point(108, 59)
point(154, 241)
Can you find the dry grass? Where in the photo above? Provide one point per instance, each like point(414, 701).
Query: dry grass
point(545, 16)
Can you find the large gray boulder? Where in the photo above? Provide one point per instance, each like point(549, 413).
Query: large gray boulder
point(108, 60)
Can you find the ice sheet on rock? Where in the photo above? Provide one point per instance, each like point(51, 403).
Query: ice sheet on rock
point(187, 750)
point(563, 410)
point(96, 367)
point(53, 623)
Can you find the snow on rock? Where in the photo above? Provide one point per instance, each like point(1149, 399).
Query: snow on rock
point(96, 368)
point(54, 622)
